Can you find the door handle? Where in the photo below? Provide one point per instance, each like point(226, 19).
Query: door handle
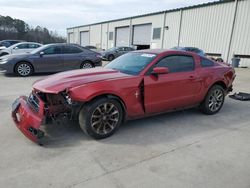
point(192, 78)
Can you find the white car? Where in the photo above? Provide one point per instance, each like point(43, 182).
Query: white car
point(21, 47)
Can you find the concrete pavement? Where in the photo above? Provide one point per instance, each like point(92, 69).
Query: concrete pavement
point(180, 149)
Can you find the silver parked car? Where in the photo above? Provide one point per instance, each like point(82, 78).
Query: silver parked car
point(7, 43)
point(19, 48)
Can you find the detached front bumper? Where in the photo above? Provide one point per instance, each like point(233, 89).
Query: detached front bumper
point(27, 119)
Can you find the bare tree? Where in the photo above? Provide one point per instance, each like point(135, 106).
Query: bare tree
point(17, 29)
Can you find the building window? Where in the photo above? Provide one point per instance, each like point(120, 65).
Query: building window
point(157, 33)
point(111, 35)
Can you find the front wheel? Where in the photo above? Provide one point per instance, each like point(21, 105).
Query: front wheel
point(111, 57)
point(214, 100)
point(101, 118)
point(23, 69)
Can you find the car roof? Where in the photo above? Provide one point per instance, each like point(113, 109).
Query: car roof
point(14, 45)
point(7, 40)
point(160, 51)
point(152, 51)
point(26, 43)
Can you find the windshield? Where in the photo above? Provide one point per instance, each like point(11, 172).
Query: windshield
point(131, 63)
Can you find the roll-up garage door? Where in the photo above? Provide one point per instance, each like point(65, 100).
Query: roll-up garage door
point(122, 36)
point(84, 38)
point(142, 34)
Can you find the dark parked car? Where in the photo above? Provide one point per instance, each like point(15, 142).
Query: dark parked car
point(91, 47)
point(191, 49)
point(50, 58)
point(115, 52)
point(7, 43)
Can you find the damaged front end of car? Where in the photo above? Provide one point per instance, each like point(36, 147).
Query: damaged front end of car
point(29, 113)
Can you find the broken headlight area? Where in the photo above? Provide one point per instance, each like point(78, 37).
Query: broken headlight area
point(29, 113)
point(59, 106)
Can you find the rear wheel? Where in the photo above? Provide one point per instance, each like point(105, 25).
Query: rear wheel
point(23, 69)
point(111, 57)
point(86, 65)
point(214, 100)
point(101, 118)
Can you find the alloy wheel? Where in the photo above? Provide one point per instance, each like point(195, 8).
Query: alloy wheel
point(215, 100)
point(87, 66)
point(105, 118)
point(23, 69)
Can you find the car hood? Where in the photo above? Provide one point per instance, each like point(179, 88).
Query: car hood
point(70, 79)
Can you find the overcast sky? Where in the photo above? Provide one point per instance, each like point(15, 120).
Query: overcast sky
point(61, 14)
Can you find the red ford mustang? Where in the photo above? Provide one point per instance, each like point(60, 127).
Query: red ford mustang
point(135, 85)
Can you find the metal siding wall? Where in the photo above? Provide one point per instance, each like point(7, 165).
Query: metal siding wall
point(171, 35)
point(70, 37)
point(95, 35)
point(208, 28)
point(241, 35)
point(104, 36)
point(76, 36)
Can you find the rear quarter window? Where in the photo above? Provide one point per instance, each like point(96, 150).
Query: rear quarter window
point(206, 62)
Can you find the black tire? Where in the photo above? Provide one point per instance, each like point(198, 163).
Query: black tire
point(24, 69)
point(98, 122)
point(86, 65)
point(213, 101)
point(111, 57)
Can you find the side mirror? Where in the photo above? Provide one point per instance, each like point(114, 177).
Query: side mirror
point(16, 48)
point(160, 70)
point(41, 54)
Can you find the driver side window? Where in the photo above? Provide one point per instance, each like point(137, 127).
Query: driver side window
point(121, 49)
point(177, 63)
point(52, 50)
point(22, 46)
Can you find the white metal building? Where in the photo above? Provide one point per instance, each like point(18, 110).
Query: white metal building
point(221, 29)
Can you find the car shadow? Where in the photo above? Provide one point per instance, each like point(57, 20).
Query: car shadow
point(163, 128)
point(33, 75)
point(62, 134)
